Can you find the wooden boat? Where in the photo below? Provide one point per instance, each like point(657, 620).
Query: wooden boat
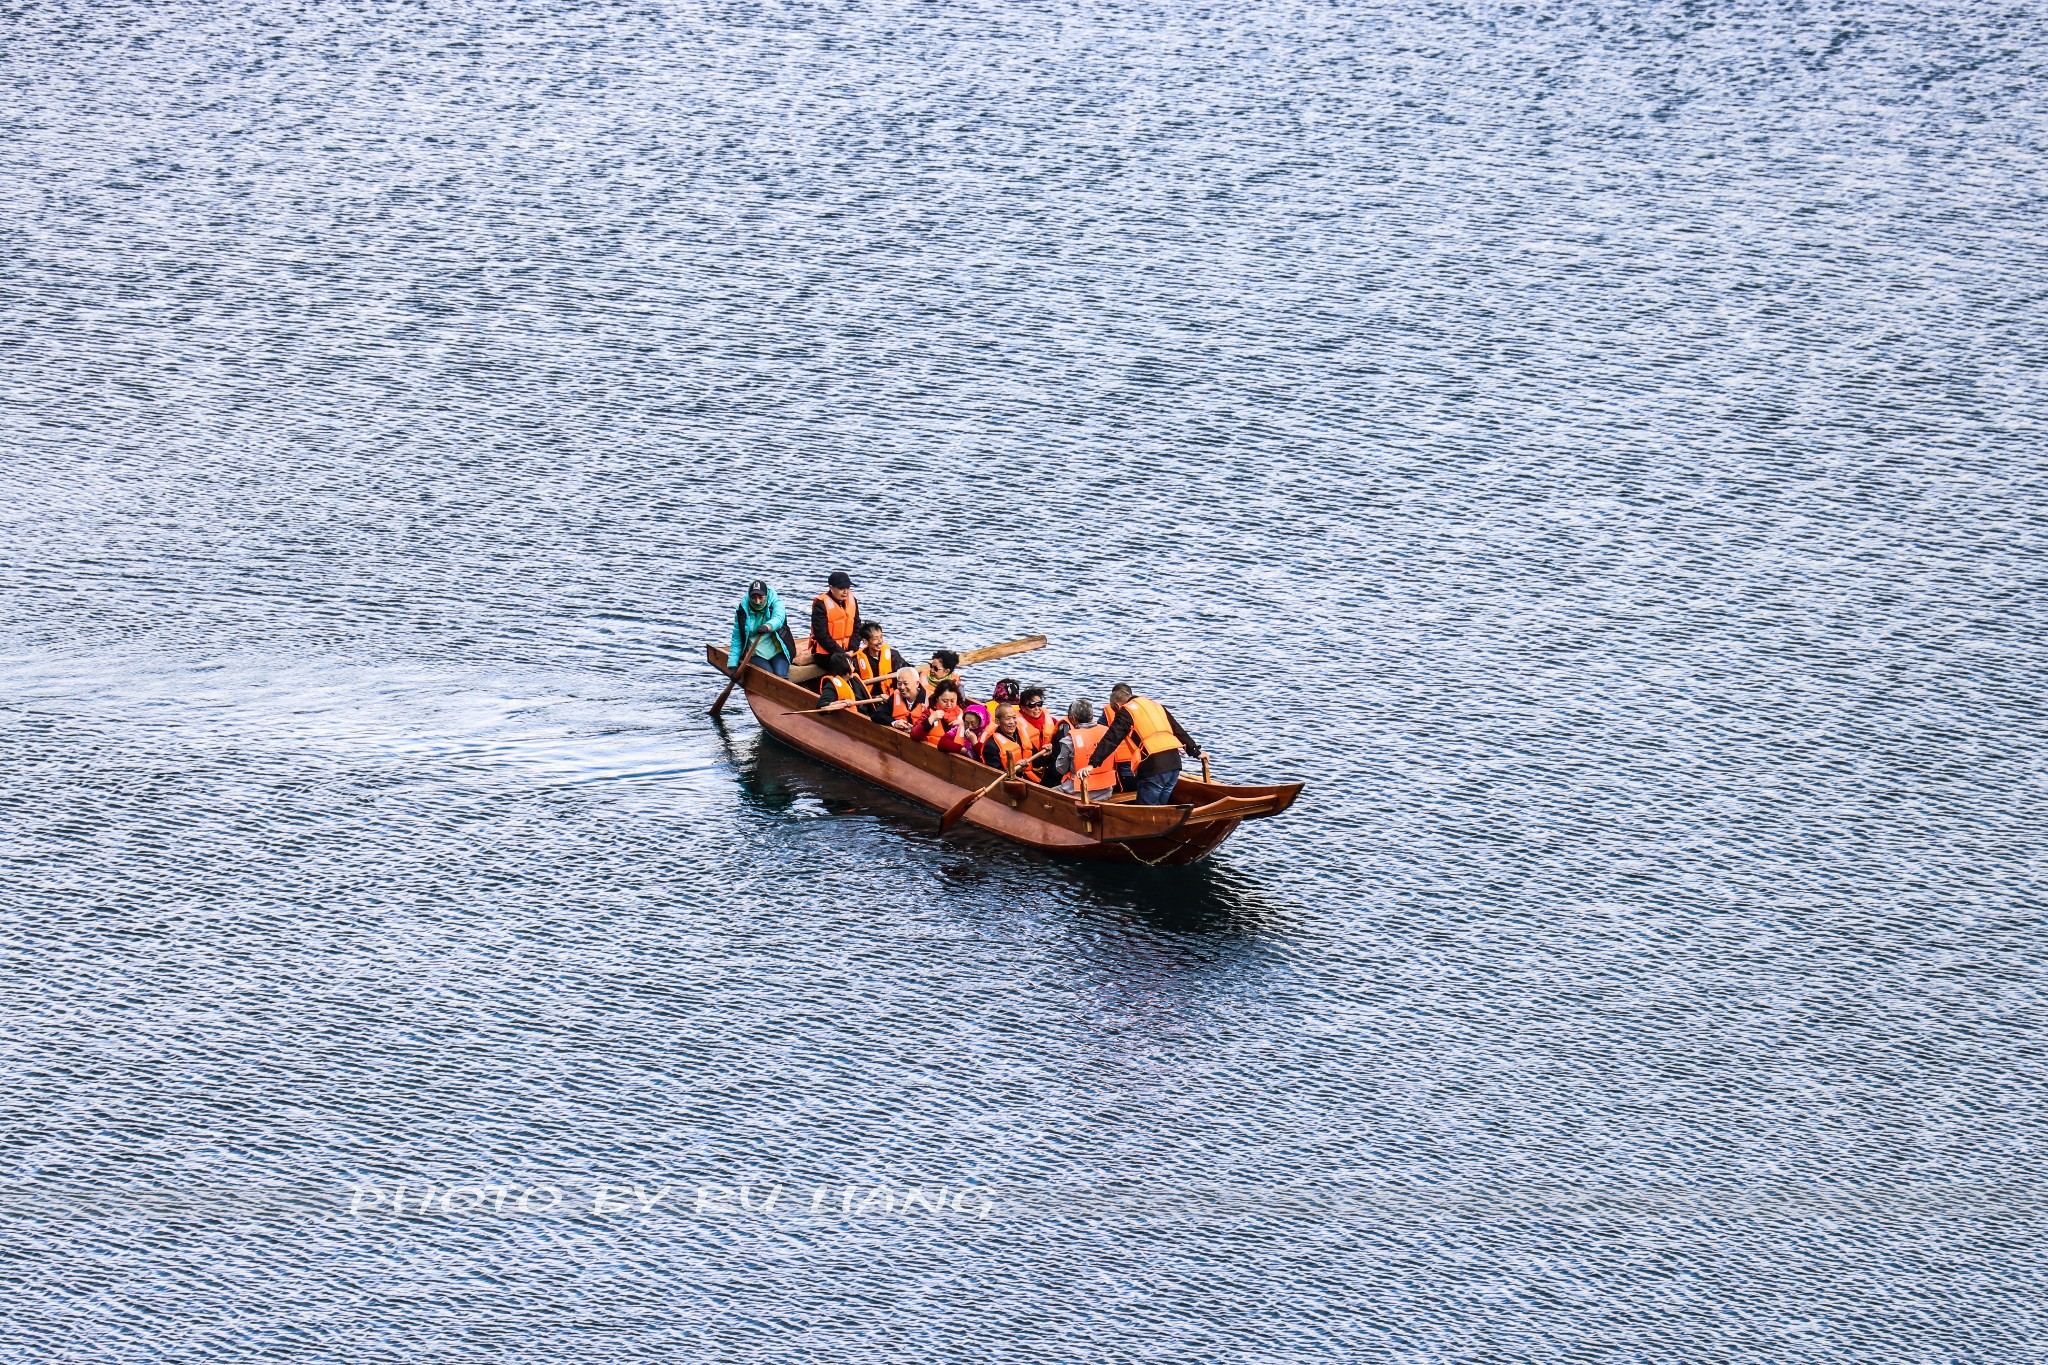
point(1116, 830)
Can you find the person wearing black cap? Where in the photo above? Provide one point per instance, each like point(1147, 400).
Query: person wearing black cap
point(835, 618)
point(762, 614)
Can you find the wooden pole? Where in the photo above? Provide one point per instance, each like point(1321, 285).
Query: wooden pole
point(738, 669)
point(844, 705)
point(1002, 651)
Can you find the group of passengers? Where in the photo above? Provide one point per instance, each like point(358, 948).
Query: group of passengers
point(1134, 745)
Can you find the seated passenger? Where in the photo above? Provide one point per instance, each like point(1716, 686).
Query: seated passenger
point(1032, 715)
point(877, 658)
point(906, 702)
point(1080, 735)
point(941, 719)
point(967, 740)
point(1004, 746)
point(1006, 691)
point(944, 667)
point(837, 687)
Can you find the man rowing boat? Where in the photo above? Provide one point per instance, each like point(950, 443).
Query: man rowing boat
point(761, 614)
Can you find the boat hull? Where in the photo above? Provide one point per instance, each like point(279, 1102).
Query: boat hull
point(1202, 816)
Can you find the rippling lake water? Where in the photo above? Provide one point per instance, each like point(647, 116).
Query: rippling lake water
point(1598, 449)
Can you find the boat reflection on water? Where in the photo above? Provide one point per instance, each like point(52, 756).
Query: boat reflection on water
point(1205, 897)
point(778, 780)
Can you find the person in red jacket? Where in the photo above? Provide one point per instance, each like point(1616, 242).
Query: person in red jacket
point(968, 739)
point(941, 719)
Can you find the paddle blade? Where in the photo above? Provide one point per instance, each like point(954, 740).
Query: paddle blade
point(719, 705)
point(738, 669)
point(956, 810)
point(1002, 651)
point(959, 808)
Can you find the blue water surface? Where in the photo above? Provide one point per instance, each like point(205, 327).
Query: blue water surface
point(1598, 450)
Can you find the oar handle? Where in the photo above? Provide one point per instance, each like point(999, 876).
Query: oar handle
point(821, 710)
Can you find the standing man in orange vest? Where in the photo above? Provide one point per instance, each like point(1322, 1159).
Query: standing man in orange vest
point(1159, 738)
point(835, 618)
point(1124, 762)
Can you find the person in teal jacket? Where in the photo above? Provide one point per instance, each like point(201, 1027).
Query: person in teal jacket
point(762, 614)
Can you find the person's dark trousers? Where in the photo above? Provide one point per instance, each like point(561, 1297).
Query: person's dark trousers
point(779, 665)
point(1157, 789)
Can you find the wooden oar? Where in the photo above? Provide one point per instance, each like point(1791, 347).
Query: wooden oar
point(1002, 651)
point(738, 669)
point(841, 706)
point(959, 808)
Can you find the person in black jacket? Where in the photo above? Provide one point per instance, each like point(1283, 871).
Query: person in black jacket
point(839, 687)
point(1157, 773)
point(878, 660)
point(839, 592)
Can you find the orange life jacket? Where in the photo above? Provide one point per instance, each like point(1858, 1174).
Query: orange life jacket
point(1009, 753)
point(1041, 731)
point(870, 671)
point(1151, 731)
point(838, 622)
point(1086, 737)
point(1126, 753)
point(842, 688)
point(899, 710)
point(940, 723)
point(1027, 736)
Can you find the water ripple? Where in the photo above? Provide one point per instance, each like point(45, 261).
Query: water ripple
point(1597, 451)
